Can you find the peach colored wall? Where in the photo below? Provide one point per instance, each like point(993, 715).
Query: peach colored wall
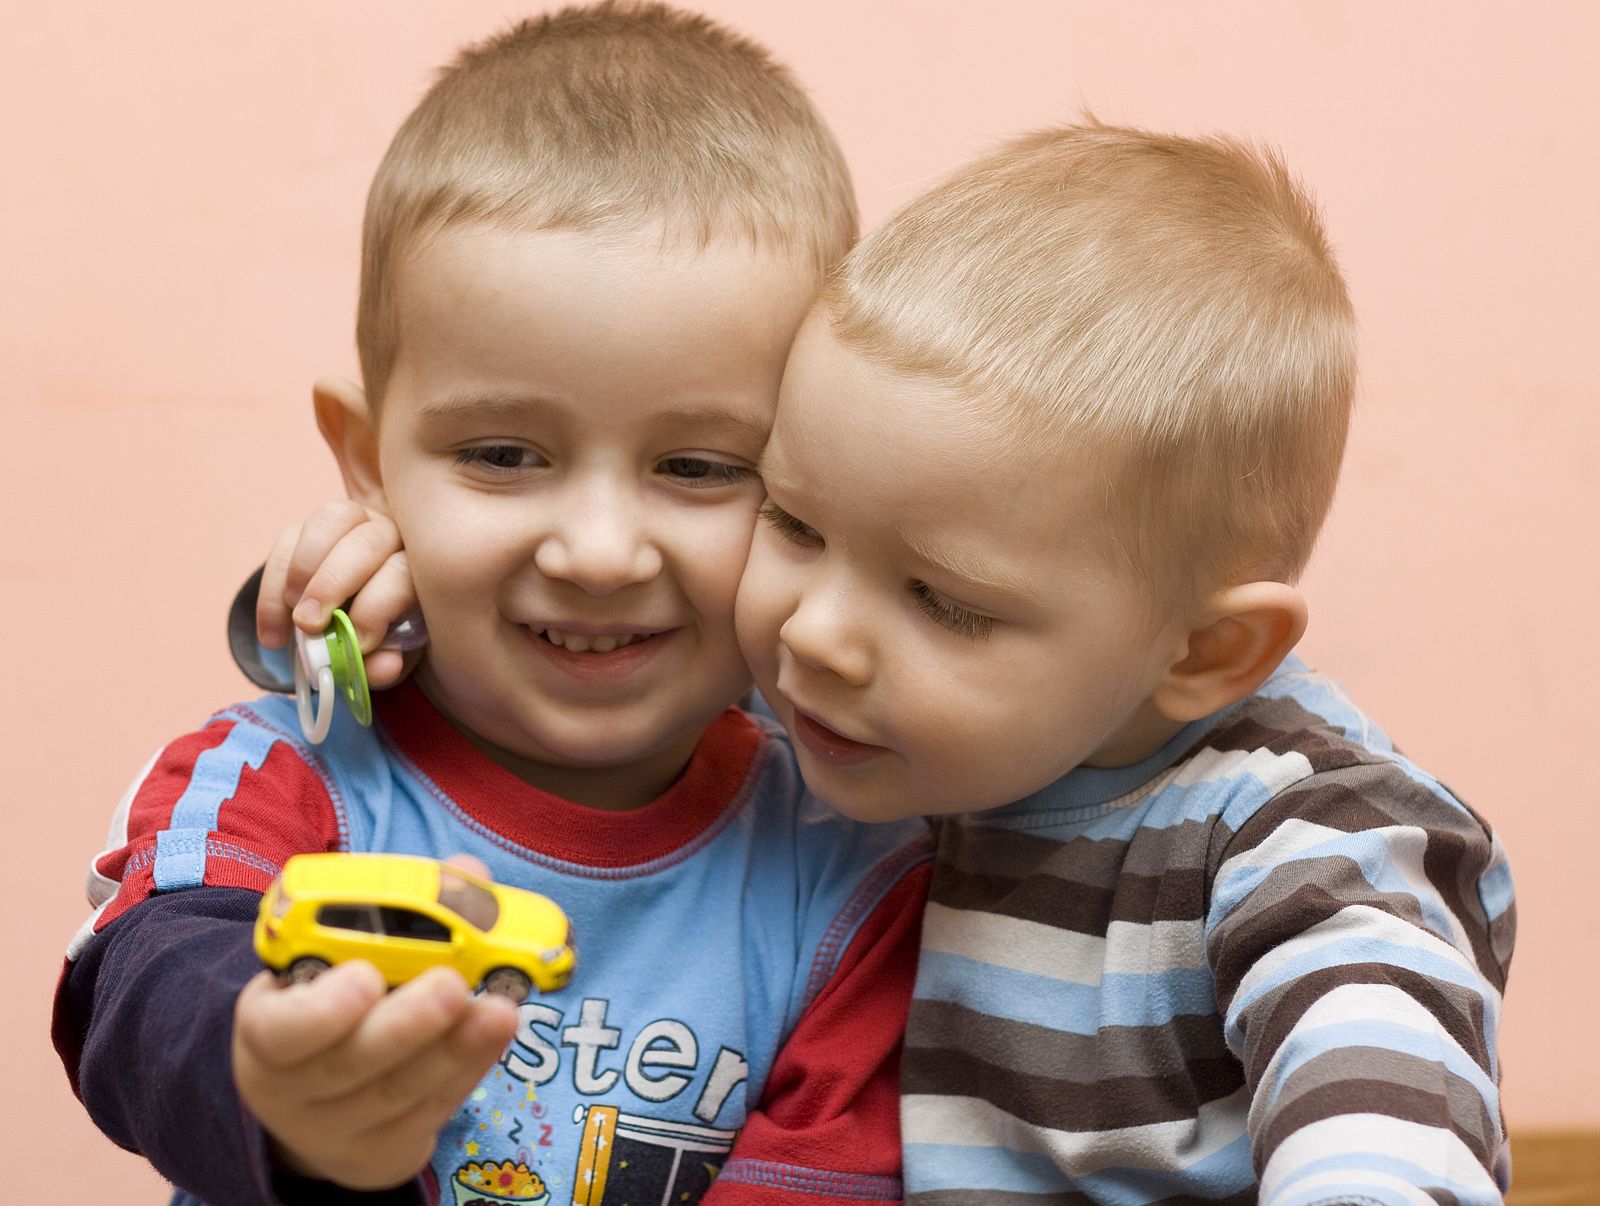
point(183, 184)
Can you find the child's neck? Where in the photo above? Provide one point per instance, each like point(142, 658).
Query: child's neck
point(615, 788)
point(1145, 732)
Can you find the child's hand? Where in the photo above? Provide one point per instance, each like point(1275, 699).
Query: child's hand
point(353, 1084)
point(342, 551)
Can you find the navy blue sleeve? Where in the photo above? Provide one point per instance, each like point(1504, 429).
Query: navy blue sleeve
point(144, 1024)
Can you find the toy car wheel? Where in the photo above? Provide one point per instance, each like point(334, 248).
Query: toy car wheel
point(509, 983)
point(303, 971)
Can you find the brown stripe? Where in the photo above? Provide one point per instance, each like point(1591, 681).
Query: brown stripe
point(1285, 726)
point(1111, 1103)
point(977, 848)
point(1178, 896)
point(1293, 898)
point(1114, 1052)
point(1469, 1116)
point(1268, 1021)
point(1362, 1097)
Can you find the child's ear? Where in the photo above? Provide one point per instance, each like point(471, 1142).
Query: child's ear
point(346, 424)
point(1242, 635)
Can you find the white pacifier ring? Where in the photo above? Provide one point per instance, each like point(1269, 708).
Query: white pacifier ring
point(313, 661)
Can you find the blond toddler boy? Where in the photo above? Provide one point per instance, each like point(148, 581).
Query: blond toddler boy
point(1051, 452)
point(585, 257)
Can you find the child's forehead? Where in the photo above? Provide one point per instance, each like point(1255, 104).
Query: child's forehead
point(607, 250)
point(601, 329)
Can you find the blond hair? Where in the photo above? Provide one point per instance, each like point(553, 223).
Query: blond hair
point(605, 117)
point(1167, 306)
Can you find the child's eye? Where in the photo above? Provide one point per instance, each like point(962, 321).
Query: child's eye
point(701, 471)
point(788, 526)
point(498, 458)
point(951, 615)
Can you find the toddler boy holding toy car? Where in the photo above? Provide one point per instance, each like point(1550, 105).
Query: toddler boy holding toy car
point(585, 257)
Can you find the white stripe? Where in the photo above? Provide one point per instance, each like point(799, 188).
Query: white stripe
point(1353, 1185)
point(1068, 957)
point(1135, 949)
point(1276, 771)
point(102, 889)
point(1163, 1146)
point(1438, 1150)
point(1373, 926)
point(1011, 942)
point(1349, 1006)
point(1404, 849)
point(1289, 840)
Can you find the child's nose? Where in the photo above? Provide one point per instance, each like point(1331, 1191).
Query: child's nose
point(599, 543)
point(825, 632)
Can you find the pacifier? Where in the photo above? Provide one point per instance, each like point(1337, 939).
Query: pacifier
point(331, 664)
point(323, 666)
point(327, 664)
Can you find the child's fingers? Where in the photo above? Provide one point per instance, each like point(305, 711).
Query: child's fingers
point(385, 667)
point(345, 568)
point(396, 1030)
point(386, 595)
point(279, 1026)
point(273, 625)
point(426, 1089)
point(322, 532)
point(471, 864)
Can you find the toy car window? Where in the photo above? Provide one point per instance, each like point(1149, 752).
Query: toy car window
point(348, 917)
point(468, 899)
point(405, 923)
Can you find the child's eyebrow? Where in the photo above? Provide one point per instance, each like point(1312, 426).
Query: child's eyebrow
point(491, 405)
point(962, 564)
point(519, 406)
point(718, 416)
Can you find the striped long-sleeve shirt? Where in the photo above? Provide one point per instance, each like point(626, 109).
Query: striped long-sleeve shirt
point(1265, 964)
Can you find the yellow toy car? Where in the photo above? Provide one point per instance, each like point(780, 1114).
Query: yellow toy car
point(405, 914)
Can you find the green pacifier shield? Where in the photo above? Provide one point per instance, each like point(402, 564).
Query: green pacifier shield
point(349, 672)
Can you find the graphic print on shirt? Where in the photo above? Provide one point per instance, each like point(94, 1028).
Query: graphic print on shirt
point(556, 1121)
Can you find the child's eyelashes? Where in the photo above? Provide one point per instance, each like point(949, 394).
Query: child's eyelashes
point(950, 615)
point(498, 458)
point(702, 472)
point(695, 472)
point(788, 526)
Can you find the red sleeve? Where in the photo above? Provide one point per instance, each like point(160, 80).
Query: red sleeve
point(221, 808)
point(828, 1125)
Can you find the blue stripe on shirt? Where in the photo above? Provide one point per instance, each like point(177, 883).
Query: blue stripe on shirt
point(180, 848)
point(1119, 999)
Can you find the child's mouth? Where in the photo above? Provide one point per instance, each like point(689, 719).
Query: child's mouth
point(574, 642)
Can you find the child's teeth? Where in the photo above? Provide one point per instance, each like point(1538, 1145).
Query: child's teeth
point(574, 643)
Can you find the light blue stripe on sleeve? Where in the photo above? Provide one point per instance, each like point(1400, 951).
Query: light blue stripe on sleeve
point(1358, 949)
point(181, 847)
point(930, 1167)
point(1494, 888)
point(1220, 1175)
point(1303, 1046)
point(1120, 1000)
point(1371, 851)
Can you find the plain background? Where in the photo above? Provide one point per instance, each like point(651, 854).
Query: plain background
point(183, 184)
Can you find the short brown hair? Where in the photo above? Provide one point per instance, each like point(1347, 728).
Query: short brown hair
point(1169, 306)
point(605, 116)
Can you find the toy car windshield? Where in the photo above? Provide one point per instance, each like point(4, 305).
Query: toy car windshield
point(467, 898)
